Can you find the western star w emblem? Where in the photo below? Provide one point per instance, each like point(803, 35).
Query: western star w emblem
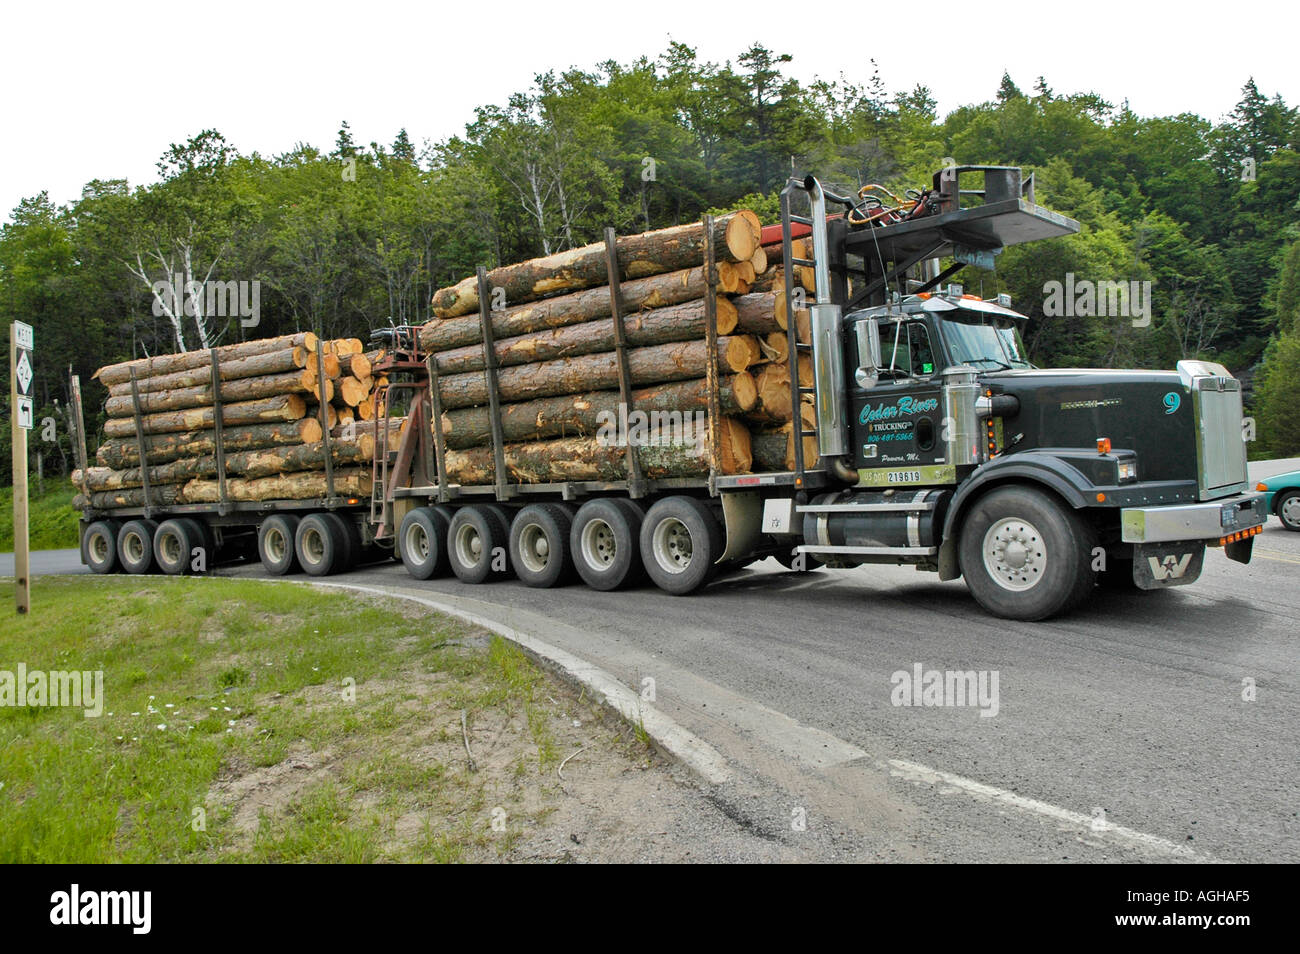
point(1170, 567)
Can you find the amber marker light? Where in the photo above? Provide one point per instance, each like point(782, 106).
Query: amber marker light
point(1261, 487)
point(1101, 498)
point(1103, 445)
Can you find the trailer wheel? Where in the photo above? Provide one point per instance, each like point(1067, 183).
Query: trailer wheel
point(1024, 555)
point(603, 541)
point(174, 543)
point(321, 544)
point(539, 545)
point(681, 541)
point(477, 539)
point(99, 546)
point(1287, 507)
point(422, 542)
point(135, 545)
point(276, 537)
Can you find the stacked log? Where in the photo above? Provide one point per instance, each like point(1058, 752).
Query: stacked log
point(277, 395)
point(558, 371)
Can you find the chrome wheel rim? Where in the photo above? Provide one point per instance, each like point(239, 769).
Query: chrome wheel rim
point(469, 545)
point(599, 545)
point(416, 543)
point(1014, 554)
point(534, 548)
point(274, 544)
point(1290, 512)
point(313, 546)
point(672, 545)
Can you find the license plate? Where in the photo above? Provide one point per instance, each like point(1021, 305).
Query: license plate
point(904, 476)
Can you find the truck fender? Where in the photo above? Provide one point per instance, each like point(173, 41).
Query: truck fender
point(1044, 470)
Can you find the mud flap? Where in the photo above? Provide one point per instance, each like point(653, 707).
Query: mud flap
point(1160, 565)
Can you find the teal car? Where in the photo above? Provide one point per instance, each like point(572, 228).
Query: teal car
point(1282, 498)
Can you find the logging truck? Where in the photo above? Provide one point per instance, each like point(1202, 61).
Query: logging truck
point(915, 430)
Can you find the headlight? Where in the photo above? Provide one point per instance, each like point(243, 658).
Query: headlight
point(1128, 470)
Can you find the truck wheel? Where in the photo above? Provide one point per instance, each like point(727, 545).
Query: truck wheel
point(1024, 555)
point(681, 540)
point(135, 545)
point(603, 541)
point(422, 542)
point(321, 544)
point(539, 545)
point(275, 544)
point(1288, 509)
point(476, 541)
point(174, 543)
point(99, 546)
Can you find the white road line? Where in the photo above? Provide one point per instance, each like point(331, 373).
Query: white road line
point(913, 772)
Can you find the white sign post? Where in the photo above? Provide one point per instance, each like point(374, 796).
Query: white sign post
point(21, 343)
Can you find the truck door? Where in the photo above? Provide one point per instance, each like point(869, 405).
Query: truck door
point(897, 424)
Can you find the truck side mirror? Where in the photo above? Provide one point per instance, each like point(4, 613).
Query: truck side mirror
point(868, 335)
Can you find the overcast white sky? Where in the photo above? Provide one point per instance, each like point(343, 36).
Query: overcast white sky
point(99, 90)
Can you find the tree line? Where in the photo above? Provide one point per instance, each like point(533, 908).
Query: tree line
point(353, 238)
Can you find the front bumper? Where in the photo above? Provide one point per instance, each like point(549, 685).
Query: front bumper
point(1209, 521)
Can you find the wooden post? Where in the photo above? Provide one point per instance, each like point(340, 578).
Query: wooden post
point(22, 561)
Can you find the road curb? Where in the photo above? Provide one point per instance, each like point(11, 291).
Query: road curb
point(667, 734)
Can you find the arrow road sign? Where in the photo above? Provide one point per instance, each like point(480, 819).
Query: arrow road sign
point(25, 414)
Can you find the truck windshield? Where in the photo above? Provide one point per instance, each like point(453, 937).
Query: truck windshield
point(984, 341)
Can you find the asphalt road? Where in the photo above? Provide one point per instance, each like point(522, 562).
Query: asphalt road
point(1123, 731)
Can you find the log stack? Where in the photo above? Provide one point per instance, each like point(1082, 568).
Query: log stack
point(272, 434)
point(558, 369)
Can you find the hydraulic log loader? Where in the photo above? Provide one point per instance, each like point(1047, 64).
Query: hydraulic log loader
point(938, 444)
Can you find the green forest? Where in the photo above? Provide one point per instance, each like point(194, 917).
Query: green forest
point(349, 237)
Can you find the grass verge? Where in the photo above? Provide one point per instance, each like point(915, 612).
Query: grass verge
point(248, 721)
point(51, 521)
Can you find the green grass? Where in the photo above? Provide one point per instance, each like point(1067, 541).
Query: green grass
point(263, 757)
point(51, 521)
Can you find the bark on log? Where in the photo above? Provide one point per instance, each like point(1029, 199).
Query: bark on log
point(168, 363)
point(162, 496)
point(121, 453)
point(254, 366)
point(282, 407)
point(653, 365)
point(656, 291)
point(650, 253)
point(774, 449)
point(585, 458)
point(582, 414)
point(756, 313)
point(256, 463)
point(178, 399)
point(357, 365)
point(307, 485)
point(660, 326)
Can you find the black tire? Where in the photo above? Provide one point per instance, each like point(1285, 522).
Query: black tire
point(1287, 507)
point(276, 544)
point(354, 549)
point(478, 536)
point(1039, 559)
point(681, 541)
point(786, 556)
point(603, 542)
point(321, 544)
point(539, 545)
point(135, 545)
point(422, 542)
point(99, 546)
point(174, 543)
